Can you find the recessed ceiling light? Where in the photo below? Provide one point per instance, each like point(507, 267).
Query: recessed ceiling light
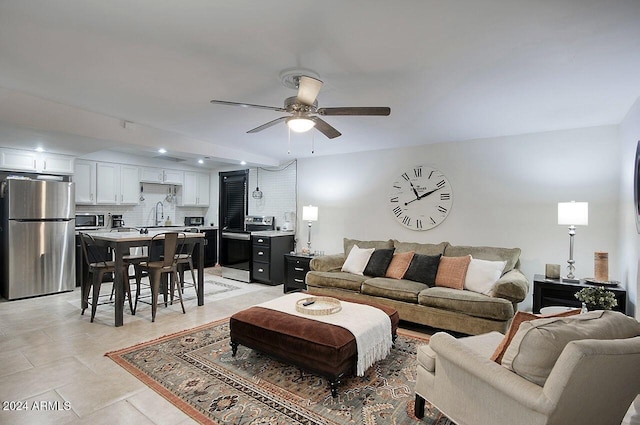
point(39, 149)
point(200, 161)
point(243, 163)
point(162, 150)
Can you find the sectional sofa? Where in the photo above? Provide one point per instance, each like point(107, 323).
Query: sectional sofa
point(457, 310)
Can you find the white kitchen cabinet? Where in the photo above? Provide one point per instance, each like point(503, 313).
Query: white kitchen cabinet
point(117, 184)
point(129, 184)
point(22, 160)
point(195, 191)
point(161, 176)
point(85, 182)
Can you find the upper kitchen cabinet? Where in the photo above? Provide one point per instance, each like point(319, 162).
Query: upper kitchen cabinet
point(85, 180)
point(117, 184)
point(19, 160)
point(195, 191)
point(158, 175)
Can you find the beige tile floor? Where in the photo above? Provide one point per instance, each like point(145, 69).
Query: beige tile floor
point(50, 353)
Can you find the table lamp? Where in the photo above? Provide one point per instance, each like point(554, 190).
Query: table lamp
point(310, 214)
point(572, 214)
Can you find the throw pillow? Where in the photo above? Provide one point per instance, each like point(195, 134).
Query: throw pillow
point(357, 260)
point(538, 344)
point(423, 269)
point(518, 319)
point(378, 263)
point(452, 271)
point(482, 274)
point(399, 265)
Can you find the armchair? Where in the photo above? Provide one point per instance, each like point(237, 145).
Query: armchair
point(593, 381)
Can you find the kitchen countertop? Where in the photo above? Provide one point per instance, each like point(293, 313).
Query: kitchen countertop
point(151, 228)
point(272, 233)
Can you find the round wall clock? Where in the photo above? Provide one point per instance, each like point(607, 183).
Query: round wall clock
point(421, 198)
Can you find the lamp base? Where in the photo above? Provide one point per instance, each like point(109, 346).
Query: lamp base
point(569, 279)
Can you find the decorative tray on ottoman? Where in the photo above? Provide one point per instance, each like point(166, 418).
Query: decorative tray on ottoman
point(320, 306)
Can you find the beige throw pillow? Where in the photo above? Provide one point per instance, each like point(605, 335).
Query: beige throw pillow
point(399, 265)
point(357, 260)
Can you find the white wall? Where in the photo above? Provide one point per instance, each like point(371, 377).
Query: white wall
point(629, 247)
point(505, 191)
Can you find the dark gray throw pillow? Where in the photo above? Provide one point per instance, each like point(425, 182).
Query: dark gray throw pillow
point(378, 263)
point(423, 268)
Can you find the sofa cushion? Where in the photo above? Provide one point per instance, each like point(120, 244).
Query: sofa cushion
point(340, 280)
point(466, 302)
point(399, 265)
point(518, 319)
point(482, 275)
point(452, 271)
point(395, 289)
point(420, 248)
point(357, 260)
point(349, 243)
point(510, 255)
point(378, 263)
point(423, 269)
point(538, 343)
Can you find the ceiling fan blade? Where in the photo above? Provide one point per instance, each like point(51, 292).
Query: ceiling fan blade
point(267, 125)
point(326, 129)
point(308, 89)
point(247, 105)
point(356, 110)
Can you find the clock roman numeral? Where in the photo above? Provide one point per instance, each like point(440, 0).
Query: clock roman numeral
point(405, 176)
point(442, 209)
point(430, 174)
point(418, 224)
point(397, 211)
point(432, 220)
point(406, 220)
point(394, 199)
point(441, 183)
point(417, 172)
point(445, 196)
point(396, 186)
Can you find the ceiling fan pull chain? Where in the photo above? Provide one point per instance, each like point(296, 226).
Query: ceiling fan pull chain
point(289, 145)
point(313, 142)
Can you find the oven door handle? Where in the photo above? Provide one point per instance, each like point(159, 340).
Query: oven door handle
point(237, 236)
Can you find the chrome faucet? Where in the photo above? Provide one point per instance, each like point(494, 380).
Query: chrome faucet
point(159, 220)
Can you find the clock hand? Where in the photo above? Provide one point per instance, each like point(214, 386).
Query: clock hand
point(424, 195)
point(414, 190)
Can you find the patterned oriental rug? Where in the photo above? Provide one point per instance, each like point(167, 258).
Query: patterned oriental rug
point(195, 371)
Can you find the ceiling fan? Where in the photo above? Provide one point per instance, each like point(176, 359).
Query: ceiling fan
point(303, 108)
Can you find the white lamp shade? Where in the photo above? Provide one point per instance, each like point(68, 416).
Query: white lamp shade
point(573, 213)
point(309, 213)
point(300, 125)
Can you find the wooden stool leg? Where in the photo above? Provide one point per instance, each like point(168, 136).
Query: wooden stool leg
point(193, 275)
point(174, 277)
point(155, 277)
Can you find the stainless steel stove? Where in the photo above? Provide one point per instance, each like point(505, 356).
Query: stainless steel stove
point(235, 247)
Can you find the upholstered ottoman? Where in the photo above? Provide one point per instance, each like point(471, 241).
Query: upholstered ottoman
point(324, 349)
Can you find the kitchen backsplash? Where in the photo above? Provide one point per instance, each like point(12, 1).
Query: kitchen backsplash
point(278, 187)
point(143, 214)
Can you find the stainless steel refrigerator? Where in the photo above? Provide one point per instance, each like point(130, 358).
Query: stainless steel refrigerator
point(38, 227)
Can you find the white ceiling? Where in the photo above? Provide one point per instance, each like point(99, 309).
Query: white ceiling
point(449, 70)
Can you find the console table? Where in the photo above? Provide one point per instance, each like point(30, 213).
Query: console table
point(556, 292)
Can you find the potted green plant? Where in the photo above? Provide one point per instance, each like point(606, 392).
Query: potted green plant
point(597, 298)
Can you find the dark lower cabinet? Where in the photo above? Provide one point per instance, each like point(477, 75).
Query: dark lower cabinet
point(266, 258)
point(555, 292)
point(296, 267)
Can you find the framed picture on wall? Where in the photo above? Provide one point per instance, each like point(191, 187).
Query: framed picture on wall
point(636, 187)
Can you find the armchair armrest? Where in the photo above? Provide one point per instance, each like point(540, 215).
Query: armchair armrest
point(451, 353)
point(327, 263)
point(512, 286)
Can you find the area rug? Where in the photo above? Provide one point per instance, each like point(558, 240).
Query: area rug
point(195, 371)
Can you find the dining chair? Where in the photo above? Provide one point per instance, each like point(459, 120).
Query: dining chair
point(159, 266)
point(136, 256)
point(98, 264)
point(185, 259)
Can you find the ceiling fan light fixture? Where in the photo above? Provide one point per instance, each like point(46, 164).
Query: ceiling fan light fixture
point(300, 124)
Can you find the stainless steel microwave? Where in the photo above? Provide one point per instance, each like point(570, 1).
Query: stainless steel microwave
point(89, 221)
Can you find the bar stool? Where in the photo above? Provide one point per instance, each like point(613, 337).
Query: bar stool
point(136, 256)
point(185, 259)
point(167, 264)
point(97, 266)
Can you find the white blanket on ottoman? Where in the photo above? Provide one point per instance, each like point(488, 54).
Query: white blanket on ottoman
point(370, 326)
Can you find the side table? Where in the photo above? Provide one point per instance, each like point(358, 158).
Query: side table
point(556, 292)
point(296, 267)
